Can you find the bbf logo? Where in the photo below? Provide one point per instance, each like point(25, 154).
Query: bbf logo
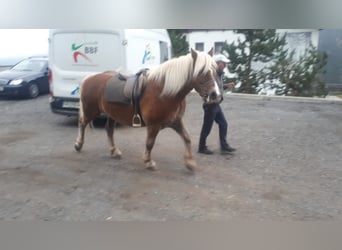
point(84, 50)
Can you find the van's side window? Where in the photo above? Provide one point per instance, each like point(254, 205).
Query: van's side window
point(164, 52)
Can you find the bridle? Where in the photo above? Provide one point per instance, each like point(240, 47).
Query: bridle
point(203, 84)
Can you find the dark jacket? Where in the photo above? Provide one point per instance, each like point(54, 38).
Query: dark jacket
point(219, 80)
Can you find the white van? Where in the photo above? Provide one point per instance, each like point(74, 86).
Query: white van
point(73, 54)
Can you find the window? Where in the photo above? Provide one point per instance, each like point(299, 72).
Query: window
point(164, 52)
point(218, 47)
point(298, 41)
point(199, 46)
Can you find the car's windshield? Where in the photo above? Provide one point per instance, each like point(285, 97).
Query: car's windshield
point(29, 65)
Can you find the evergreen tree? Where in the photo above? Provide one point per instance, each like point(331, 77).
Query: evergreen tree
point(256, 47)
point(262, 62)
point(179, 44)
point(300, 77)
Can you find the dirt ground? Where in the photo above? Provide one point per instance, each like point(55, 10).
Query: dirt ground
point(287, 167)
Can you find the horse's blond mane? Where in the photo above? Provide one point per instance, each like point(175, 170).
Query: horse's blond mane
point(177, 72)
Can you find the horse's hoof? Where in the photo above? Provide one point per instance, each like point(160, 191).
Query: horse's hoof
point(151, 165)
point(78, 146)
point(116, 153)
point(191, 165)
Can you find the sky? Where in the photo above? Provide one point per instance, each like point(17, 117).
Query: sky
point(16, 44)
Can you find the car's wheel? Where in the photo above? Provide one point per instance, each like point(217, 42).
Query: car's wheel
point(33, 90)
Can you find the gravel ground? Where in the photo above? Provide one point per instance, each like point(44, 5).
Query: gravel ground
point(287, 167)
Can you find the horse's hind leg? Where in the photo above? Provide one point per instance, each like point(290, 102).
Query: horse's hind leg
point(82, 124)
point(83, 121)
point(152, 132)
point(114, 151)
point(179, 127)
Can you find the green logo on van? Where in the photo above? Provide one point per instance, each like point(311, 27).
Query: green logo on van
point(147, 54)
point(75, 47)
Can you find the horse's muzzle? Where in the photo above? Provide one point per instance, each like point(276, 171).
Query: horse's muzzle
point(213, 97)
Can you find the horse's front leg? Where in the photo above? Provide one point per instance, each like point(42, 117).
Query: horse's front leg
point(114, 151)
point(152, 132)
point(179, 127)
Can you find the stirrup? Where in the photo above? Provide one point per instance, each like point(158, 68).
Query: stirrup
point(136, 121)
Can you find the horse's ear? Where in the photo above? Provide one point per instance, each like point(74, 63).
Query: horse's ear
point(211, 51)
point(193, 53)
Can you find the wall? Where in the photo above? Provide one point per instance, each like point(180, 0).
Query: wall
point(298, 39)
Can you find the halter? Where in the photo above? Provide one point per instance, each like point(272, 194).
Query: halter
point(207, 82)
point(205, 95)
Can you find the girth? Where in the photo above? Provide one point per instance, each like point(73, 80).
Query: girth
point(137, 93)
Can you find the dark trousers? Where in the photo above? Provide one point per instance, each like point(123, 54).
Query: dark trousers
point(213, 112)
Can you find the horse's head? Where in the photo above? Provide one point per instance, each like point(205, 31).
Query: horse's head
point(205, 76)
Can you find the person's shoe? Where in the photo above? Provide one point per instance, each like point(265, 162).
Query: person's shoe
point(227, 149)
point(205, 151)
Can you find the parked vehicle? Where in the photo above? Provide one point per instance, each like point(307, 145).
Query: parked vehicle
point(28, 78)
point(74, 54)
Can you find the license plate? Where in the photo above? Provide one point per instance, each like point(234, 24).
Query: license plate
point(2, 88)
point(74, 105)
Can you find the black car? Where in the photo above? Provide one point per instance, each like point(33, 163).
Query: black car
point(28, 78)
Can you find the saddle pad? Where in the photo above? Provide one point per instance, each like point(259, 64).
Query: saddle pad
point(118, 90)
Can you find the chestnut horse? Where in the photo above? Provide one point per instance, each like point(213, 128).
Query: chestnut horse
point(162, 103)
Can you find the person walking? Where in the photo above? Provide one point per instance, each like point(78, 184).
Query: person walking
point(213, 112)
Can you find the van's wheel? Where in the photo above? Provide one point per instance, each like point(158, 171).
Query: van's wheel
point(33, 90)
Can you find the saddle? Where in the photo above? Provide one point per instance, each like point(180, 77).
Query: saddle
point(126, 89)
